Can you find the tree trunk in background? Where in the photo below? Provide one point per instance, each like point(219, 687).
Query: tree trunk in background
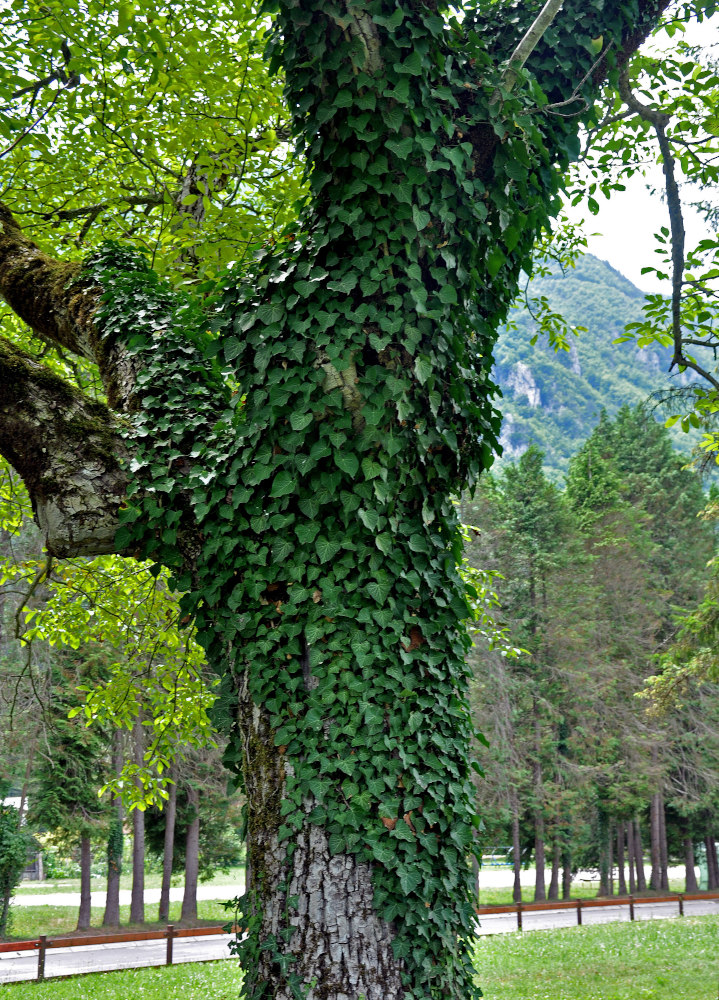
point(712, 867)
point(556, 861)
point(169, 850)
point(111, 917)
point(192, 858)
point(663, 847)
point(690, 883)
point(604, 847)
point(566, 870)
point(137, 898)
point(655, 834)
point(540, 893)
point(475, 872)
point(631, 856)
point(639, 857)
point(621, 879)
point(610, 856)
point(516, 851)
point(83, 917)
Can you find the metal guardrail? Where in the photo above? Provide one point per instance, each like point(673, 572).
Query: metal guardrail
point(581, 904)
point(43, 943)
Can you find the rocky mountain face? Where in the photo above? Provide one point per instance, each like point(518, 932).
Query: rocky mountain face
point(553, 399)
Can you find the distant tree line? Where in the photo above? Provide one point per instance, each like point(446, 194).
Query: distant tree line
point(584, 768)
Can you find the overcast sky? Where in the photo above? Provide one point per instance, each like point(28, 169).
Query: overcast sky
point(626, 224)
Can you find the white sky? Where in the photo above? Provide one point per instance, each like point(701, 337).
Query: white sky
point(626, 224)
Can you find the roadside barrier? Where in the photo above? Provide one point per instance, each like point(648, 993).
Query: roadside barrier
point(581, 904)
point(43, 943)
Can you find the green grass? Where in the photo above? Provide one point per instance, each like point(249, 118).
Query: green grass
point(28, 922)
point(584, 890)
point(653, 960)
point(206, 981)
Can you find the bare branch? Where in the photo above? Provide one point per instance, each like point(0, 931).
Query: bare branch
point(529, 42)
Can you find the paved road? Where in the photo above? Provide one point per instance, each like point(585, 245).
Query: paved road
point(15, 966)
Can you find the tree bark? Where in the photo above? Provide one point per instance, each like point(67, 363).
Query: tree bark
point(137, 896)
point(631, 856)
point(553, 892)
point(655, 834)
point(639, 857)
point(516, 851)
point(192, 858)
point(622, 882)
point(566, 870)
point(111, 916)
point(663, 847)
point(169, 849)
point(605, 836)
point(539, 854)
point(712, 866)
point(83, 917)
point(690, 880)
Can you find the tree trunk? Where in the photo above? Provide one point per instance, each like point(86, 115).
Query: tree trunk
point(192, 858)
point(115, 838)
point(631, 856)
point(622, 882)
point(663, 848)
point(567, 869)
point(137, 896)
point(539, 857)
point(610, 857)
point(690, 878)
point(639, 857)
point(83, 917)
point(655, 834)
point(169, 849)
point(712, 867)
point(516, 851)
point(605, 838)
point(553, 892)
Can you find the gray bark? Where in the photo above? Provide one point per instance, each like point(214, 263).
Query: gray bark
point(712, 866)
point(553, 892)
point(631, 856)
point(192, 858)
point(663, 849)
point(169, 850)
point(83, 917)
point(690, 884)
point(655, 833)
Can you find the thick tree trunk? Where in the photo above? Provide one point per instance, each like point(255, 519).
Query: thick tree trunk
point(553, 892)
point(663, 847)
point(137, 896)
point(192, 858)
point(83, 917)
point(690, 879)
point(111, 917)
point(655, 835)
point(516, 851)
point(712, 866)
point(639, 858)
point(567, 870)
point(622, 882)
point(631, 856)
point(169, 850)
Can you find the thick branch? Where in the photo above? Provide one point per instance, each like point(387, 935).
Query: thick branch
point(67, 450)
point(529, 42)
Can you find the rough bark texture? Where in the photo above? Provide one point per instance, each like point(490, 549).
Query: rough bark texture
point(604, 859)
point(192, 858)
point(690, 884)
point(169, 849)
point(631, 857)
point(338, 942)
point(83, 917)
point(663, 848)
point(553, 892)
point(655, 833)
point(639, 858)
point(712, 866)
point(622, 881)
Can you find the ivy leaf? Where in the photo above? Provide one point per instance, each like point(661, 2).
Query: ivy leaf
point(283, 484)
point(348, 462)
point(423, 368)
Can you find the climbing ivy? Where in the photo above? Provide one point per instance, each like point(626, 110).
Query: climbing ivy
point(297, 440)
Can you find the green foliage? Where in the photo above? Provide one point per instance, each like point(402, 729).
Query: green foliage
point(14, 844)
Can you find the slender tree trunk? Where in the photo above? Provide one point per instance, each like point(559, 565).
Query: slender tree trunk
point(556, 861)
point(712, 867)
point(566, 870)
point(631, 856)
point(540, 893)
point(169, 850)
point(192, 858)
point(639, 857)
point(622, 882)
point(663, 847)
point(655, 833)
point(604, 846)
point(516, 851)
point(111, 917)
point(690, 883)
point(83, 917)
point(610, 856)
point(137, 897)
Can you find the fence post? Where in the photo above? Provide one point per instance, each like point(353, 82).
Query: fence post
point(681, 904)
point(579, 913)
point(41, 957)
point(631, 907)
point(519, 916)
point(170, 938)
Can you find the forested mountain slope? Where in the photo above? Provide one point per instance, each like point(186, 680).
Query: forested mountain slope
point(553, 399)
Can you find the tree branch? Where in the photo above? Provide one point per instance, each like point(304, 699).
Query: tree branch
point(68, 451)
point(529, 42)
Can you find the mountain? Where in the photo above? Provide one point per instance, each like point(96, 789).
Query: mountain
point(553, 399)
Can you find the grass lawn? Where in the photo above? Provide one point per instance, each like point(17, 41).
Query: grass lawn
point(652, 960)
point(153, 880)
point(584, 890)
point(205, 981)
point(28, 922)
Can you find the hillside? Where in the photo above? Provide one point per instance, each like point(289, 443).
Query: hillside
point(553, 399)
